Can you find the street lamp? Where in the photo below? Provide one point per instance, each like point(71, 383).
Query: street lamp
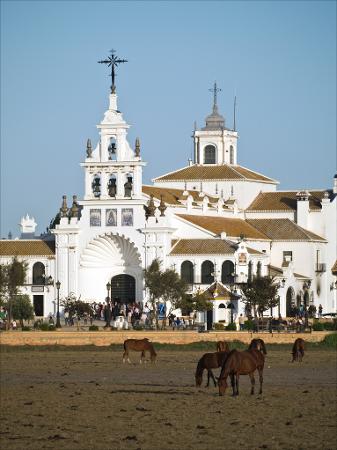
point(58, 323)
point(306, 286)
point(108, 287)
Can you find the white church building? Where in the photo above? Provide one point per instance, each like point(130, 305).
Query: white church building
point(215, 222)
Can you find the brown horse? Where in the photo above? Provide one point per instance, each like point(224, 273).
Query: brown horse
point(298, 350)
point(258, 344)
point(222, 346)
point(209, 361)
point(139, 345)
point(241, 363)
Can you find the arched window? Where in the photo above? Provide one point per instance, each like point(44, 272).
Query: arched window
point(38, 273)
point(222, 305)
point(96, 185)
point(187, 272)
point(112, 186)
point(112, 149)
point(227, 272)
point(128, 185)
point(207, 269)
point(231, 154)
point(209, 154)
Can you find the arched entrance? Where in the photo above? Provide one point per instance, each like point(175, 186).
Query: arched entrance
point(123, 289)
point(290, 302)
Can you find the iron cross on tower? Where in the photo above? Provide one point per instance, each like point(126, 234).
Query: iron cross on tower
point(215, 91)
point(113, 61)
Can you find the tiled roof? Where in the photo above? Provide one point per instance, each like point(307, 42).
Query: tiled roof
point(284, 230)
point(206, 247)
point(174, 196)
point(220, 291)
point(232, 227)
point(334, 268)
point(33, 247)
point(285, 201)
point(214, 172)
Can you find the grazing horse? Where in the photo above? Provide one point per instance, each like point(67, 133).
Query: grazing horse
point(298, 350)
point(241, 363)
point(222, 346)
point(258, 344)
point(209, 361)
point(139, 345)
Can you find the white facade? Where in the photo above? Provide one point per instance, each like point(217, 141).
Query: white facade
point(106, 234)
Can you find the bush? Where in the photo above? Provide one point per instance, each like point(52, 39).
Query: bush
point(248, 325)
point(24, 328)
point(318, 326)
point(330, 340)
point(93, 328)
point(231, 327)
point(330, 326)
point(219, 326)
point(46, 327)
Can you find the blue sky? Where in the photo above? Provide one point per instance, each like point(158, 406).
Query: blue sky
point(279, 58)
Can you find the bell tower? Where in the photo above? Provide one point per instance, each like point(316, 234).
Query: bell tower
point(215, 144)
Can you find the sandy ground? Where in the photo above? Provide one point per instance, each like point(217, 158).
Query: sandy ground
point(90, 400)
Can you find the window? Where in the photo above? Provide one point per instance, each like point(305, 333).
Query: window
point(112, 149)
point(128, 186)
point(112, 186)
point(231, 155)
point(187, 272)
point(207, 270)
point(95, 217)
point(96, 185)
point(127, 217)
point(209, 154)
point(111, 217)
point(287, 256)
point(227, 272)
point(38, 273)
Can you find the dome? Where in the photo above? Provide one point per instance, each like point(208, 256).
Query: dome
point(215, 121)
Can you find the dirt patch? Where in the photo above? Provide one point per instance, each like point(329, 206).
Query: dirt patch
point(90, 400)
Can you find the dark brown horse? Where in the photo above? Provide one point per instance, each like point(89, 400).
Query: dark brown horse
point(139, 345)
point(298, 350)
point(222, 346)
point(258, 344)
point(209, 361)
point(241, 363)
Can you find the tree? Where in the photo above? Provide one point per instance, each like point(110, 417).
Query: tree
point(12, 277)
point(196, 302)
point(166, 286)
point(22, 309)
point(76, 307)
point(260, 294)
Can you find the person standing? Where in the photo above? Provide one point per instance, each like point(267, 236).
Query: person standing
point(241, 322)
point(320, 310)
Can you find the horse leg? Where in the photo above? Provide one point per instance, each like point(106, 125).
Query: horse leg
point(142, 357)
point(260, 378)
point(209, 374)
point(237, 384)
point(233, 383)
point(252, 381)
point(213, 378)
point(125, 354)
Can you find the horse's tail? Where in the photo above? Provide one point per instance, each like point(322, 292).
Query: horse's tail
point(199, 371)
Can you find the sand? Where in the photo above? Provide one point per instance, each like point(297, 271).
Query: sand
point(88, 399)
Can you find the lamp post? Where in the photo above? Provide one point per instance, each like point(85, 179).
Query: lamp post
point(58, 323)
point(306, 298)
point(108, 287)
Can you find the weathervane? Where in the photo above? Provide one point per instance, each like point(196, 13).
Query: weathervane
point(113, 61)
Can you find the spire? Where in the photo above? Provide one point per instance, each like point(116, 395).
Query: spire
point(74, 208)
point(137, 147)
point(150, 208)
point(89, 149)
point(64, 208)
point(162, 207)
point(215, 121)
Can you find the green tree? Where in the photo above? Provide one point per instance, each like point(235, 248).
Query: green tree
point(22, 309)
point(260, 294)
point(196, 302)
point(12, 277)
point(165, 286)
point(76, 307)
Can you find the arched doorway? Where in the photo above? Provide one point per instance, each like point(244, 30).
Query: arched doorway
point(290, 302)
point(123, 289)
